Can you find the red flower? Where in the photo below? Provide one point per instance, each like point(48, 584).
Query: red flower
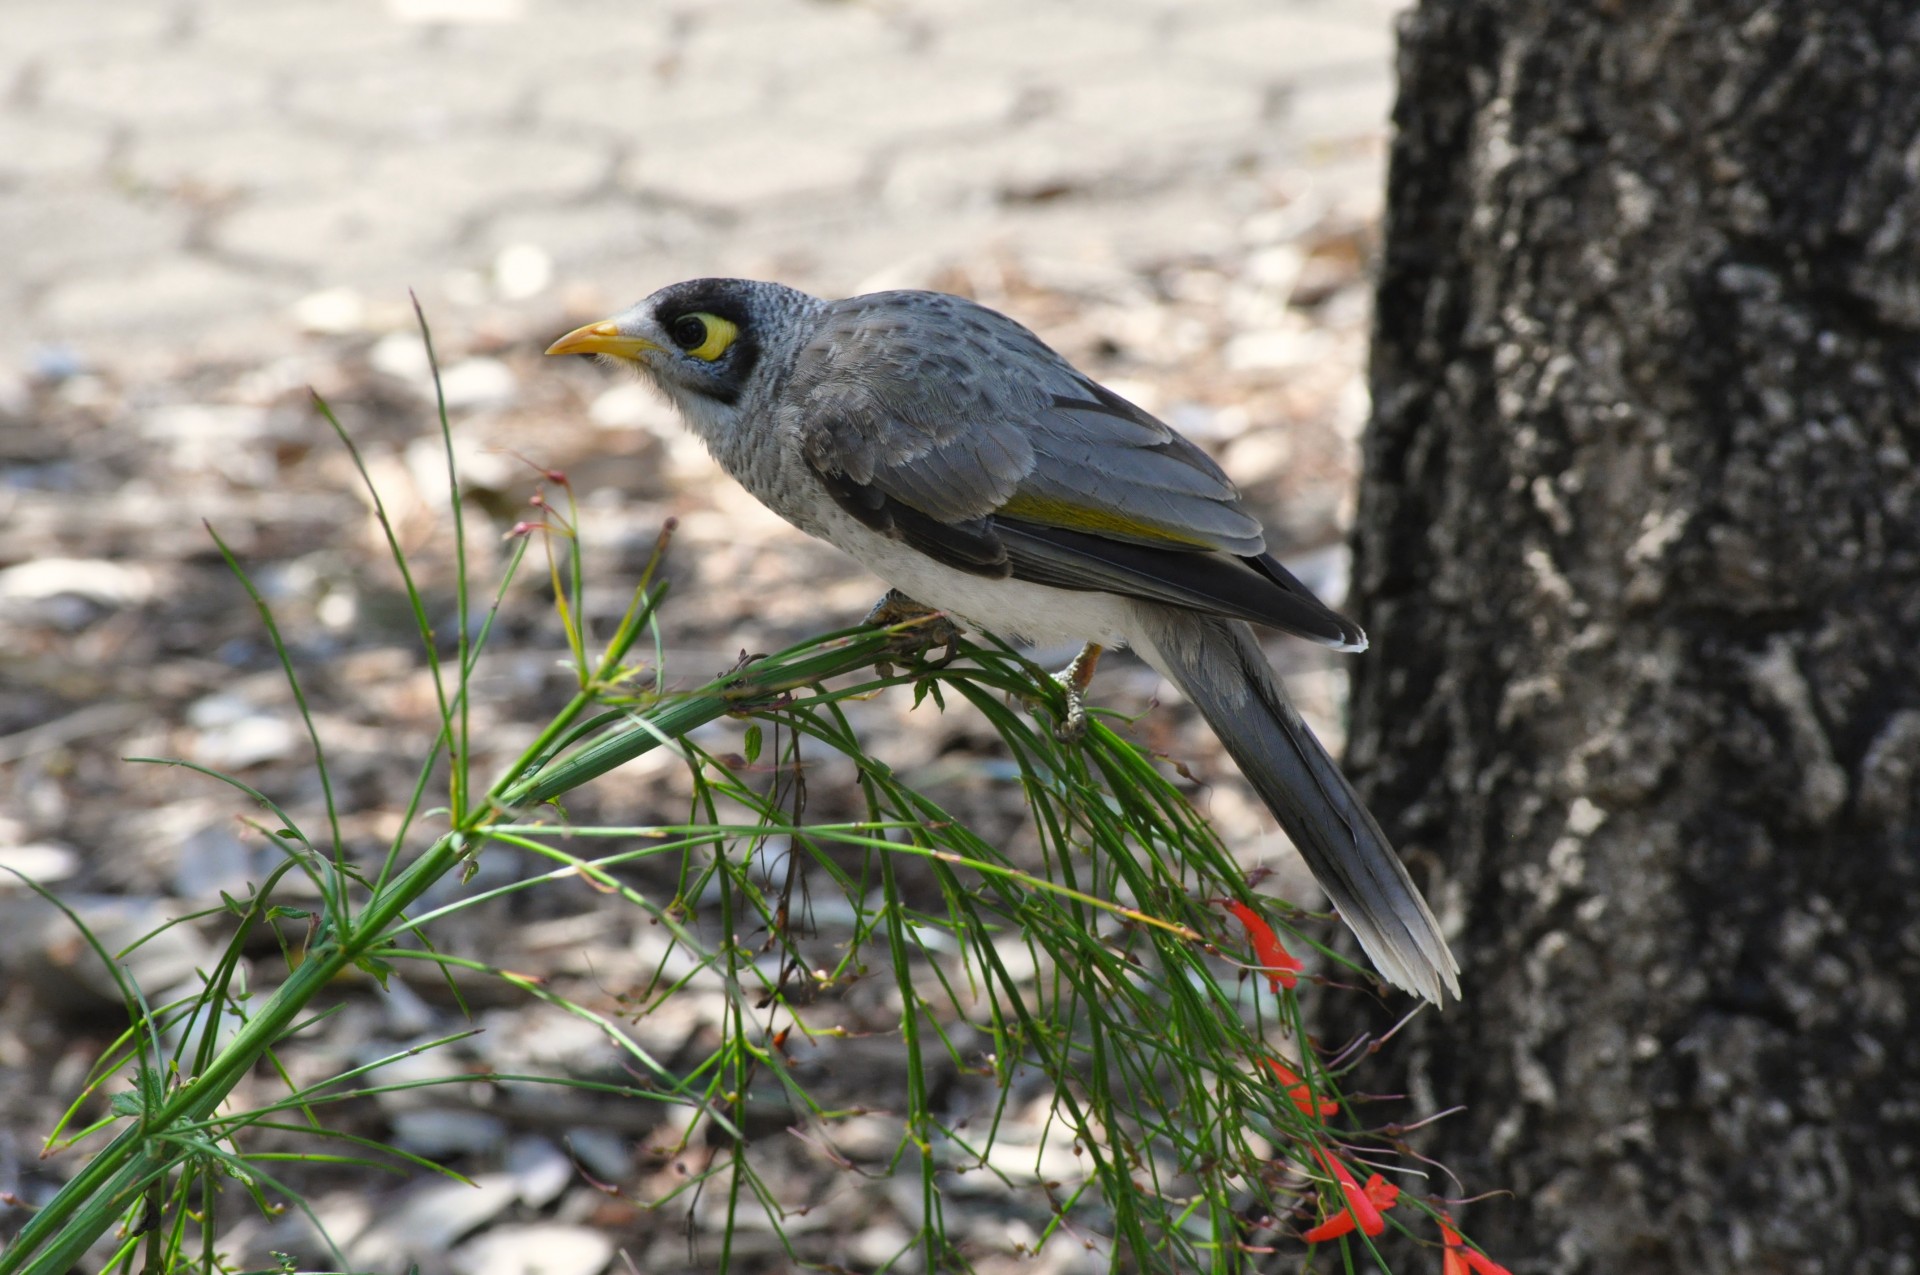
point(1301, 1092)
point(1364, 1204)
point(1280, 966)
point(1460, 1259)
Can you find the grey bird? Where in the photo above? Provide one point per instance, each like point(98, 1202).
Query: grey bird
point(956, 456)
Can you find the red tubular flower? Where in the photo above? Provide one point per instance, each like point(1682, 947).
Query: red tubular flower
point(1281, 967)
point(1301, 1092)
point(1364, 1204)
point(1331, 1229)
point(1460, 1259)
point(1381, 1193)
point(1365, 1212)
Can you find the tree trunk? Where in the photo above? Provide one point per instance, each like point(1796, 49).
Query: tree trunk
point(1639, 549)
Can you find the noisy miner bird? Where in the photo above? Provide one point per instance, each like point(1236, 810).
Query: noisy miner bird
point(960, 459)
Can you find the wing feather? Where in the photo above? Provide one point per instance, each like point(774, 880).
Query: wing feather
point(955, 430)
point(1257, 590)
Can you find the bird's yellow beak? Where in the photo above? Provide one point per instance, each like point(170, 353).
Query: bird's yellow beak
point(604, 337)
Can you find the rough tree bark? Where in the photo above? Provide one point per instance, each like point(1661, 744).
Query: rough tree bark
point(1639, 549)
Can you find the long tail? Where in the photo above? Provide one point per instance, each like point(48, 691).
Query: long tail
point(1220, 667)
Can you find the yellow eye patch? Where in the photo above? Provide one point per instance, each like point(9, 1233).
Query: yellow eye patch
point(704, 336)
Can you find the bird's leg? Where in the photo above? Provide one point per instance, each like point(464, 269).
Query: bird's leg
point(1076, 677)
point(933, 629)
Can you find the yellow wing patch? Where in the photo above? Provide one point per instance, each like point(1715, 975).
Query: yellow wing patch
point(1050, 512)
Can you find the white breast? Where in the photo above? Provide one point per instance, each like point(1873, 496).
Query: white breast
point(1013, 609)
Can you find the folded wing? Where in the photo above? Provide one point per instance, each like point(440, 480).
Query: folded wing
point(957, 431)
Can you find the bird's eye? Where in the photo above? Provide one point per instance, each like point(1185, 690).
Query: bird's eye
point(704, 336)
point(688, 331)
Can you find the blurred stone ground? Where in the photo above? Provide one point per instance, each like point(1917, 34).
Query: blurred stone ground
point(209, 206)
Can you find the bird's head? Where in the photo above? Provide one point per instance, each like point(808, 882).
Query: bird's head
point(699, 341)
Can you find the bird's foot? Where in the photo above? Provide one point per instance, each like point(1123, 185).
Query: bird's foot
point(921, 628)
point(1075, 678)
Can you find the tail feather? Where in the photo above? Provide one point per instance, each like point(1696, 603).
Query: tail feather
point(1218, 664)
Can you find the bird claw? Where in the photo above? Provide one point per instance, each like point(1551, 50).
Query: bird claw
point(894, 607)
point(921, 630)
point(1074, 679)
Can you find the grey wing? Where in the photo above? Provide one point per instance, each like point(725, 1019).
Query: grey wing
point(905, 434)
point(957, 431)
